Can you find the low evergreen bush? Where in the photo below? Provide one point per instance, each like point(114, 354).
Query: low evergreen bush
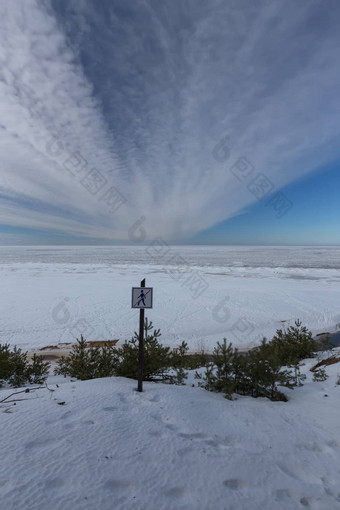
point(180, 362)
point(294, 344)
point(195, 360)
point(257, 373)
point(88, 363)
point(6, 366)
point(156, 357)
point(38, 370)
point(160, 363)
point(319, 375)
point(265, 372)
point(262, 370)
point(16, 369)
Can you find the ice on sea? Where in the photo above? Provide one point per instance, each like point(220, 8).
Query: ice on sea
point(201, 294)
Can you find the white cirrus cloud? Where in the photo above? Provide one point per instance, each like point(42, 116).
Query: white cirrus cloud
point(144, 91)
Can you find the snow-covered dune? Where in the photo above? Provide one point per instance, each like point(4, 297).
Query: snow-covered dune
point(169, 448)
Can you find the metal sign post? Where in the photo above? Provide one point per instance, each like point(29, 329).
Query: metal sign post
point(141, 345)
point(141, 298)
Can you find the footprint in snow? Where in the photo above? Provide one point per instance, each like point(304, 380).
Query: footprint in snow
point(155, 398)
point(312, 447)
point(297, 473)
point(306, 502)
point(196, 435)
point(220, 442)
point(328, 480)
point(177, 492)
point(68, 426)
point(286, 494)
point(65, 415)
point(122, 399)
point(185, 451)
point(109, 409)
point(156, 433)
point(333, 443)
point(40, 443)
point(236, 484)
point(57, 483)
point(164, 422)
point(171, 426)
point(118, 485)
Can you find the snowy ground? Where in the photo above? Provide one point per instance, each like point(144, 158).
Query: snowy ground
point(171, 448)
point(51, 295)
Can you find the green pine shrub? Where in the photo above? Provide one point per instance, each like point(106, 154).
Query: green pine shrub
point(257, 373)
point(20, 368)
point(6, 366)
point(262, 370)
point(38, 369)
point(294, 344)
point(195, 360)
point(219, 373)
point(265, 373)
point(179, 363)
point(16, 369)
point(156, 357)
point(88, 363)
point(160, 363)
point(319, 375)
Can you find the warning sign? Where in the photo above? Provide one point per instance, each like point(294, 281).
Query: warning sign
point(141, 297)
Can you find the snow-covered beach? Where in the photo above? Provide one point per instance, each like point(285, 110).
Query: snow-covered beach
point(202, 294)
point(79, 445)
point(100, 444)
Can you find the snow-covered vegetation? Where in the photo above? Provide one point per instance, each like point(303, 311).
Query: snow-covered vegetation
point(101, 444)
point(84, 444)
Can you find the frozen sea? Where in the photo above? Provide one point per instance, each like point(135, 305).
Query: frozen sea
point(202, 294)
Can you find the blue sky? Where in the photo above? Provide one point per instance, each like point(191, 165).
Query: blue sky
point(312, 218)
point(207, 122)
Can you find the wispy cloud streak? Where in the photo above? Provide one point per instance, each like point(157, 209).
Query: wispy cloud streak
point(144, 91)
